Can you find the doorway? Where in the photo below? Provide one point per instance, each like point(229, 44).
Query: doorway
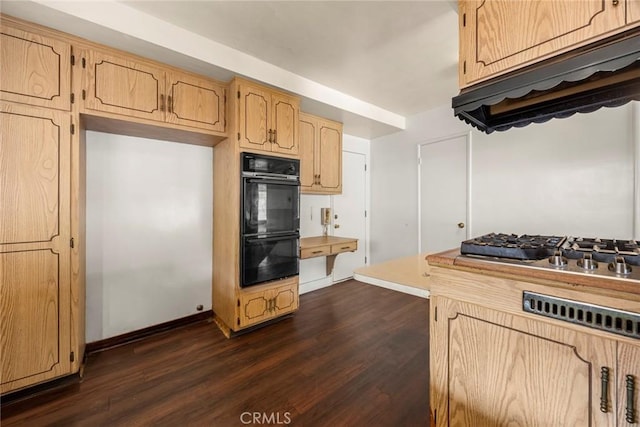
point(349, 213)
point(444, 193)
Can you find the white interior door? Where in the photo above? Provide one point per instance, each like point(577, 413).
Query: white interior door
point(349, 218)
point(443, 194)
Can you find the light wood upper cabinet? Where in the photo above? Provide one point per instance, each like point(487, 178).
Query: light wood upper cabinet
point(320, 155)
point(123, 85)
point(34, 69)
point(498, 36)
point(267, 119)
point(196, 102)
point(34, 245)
point(499, 369)
point(257, 306)
point(126, 85)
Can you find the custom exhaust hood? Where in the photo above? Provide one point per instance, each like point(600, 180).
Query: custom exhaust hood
point(602, 75)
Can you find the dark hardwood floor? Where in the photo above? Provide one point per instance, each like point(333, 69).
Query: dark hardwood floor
point(353, 355)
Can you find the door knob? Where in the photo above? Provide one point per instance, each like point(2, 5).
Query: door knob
point(336, 226)
point(461, 225)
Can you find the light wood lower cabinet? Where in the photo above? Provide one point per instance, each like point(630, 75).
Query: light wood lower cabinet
point(260, 305)
point(35, 234)
point(633, 11)
point(628, 380)
point(320, 155)
point(35, 68)
point(497, 369)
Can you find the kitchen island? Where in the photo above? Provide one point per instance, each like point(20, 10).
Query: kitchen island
point(571, 359)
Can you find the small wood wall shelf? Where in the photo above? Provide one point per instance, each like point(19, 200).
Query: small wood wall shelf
point(327, 246)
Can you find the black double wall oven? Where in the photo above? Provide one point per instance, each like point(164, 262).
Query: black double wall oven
point(270, 222)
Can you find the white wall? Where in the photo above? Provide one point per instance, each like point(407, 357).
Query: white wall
point(567, 176)
point(149, 232)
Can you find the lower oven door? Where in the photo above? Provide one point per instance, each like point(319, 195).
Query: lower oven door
point(266, 258)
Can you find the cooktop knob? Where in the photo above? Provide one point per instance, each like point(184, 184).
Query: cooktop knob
point(557, 260)
point(619, 266)
point(587, 263)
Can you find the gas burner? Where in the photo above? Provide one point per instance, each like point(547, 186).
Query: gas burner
point(568, 255)
point(587, 263)
point(619, 266)
point(557, 260)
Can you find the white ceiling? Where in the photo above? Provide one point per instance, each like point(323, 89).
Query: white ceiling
point(369, 64)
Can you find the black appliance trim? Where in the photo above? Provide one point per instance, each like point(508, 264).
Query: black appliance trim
point(581, 313)
point(611, 56)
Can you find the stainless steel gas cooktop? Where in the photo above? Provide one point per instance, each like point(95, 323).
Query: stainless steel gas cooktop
point(591, 256)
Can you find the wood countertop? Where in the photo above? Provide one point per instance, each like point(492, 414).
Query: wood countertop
point(316, 241)
point(453, 259)
point(411, 272)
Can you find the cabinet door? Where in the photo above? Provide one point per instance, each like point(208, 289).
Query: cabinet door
point(307, 142)
point(500, 35)
point(34, 69)
point(330, 157)
point(491, 368)
point(255, 307)
point(268, 303)
point(285, 299)
point(633, 11)
point(253, 123)
point(195, 102)
point(121, 85)
point(628, 371)
point(34, 245)
point(284, 123)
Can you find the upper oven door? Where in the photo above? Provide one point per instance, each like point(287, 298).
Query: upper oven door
point(270, 206)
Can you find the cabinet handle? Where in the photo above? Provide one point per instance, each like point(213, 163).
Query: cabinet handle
point(316, 252)
point(604, 392)
point(161, 102)
point(629, 410)
point(615, 2)
point(170, 104)
point(275, 137)
point(270, 139)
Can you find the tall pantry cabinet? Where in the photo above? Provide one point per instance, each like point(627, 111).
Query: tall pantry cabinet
point(41, 297)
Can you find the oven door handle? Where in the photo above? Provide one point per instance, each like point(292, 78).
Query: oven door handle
point(273, 238)
point(291, 182)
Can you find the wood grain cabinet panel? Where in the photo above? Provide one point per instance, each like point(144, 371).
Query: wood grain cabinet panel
point(122, 85)
point(195, 102)
point(32, 309)
point(497, 36)
point(628, 376)
point(500, 369)
point(320, 155)
point(633, 11)
point(285, 110)
point(35, 232)
point(34, 69)
point(260, 305)
point(267, 119)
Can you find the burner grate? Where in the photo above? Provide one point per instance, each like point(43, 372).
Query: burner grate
point(585, 314)
point(525, 247)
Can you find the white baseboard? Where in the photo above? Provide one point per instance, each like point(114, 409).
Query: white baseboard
point(422, 293)
point(314, 285)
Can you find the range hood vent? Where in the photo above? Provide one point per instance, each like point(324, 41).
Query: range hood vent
point(606, 75)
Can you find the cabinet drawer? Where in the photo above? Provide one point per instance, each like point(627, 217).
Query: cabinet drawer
point(316, 251)
point(344, 247)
